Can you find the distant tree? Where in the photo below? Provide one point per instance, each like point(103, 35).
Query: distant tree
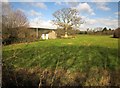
point(67, 18)
point(110, 29)
point(88, 29)
point(85, 32)
point(98, 29)
point(104, 29)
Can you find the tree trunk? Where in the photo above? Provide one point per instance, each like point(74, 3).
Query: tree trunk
point(66, 31)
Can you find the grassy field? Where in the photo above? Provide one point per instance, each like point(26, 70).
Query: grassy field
point(84, 53)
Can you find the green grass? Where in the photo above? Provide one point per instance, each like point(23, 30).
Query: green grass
point(81, 53)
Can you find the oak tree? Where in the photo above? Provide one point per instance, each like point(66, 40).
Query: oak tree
point(67, 18)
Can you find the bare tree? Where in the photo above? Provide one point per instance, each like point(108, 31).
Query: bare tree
point(12, 21)
point(66, 18)
point(20, 19)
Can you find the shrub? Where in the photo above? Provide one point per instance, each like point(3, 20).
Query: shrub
point(117, 33)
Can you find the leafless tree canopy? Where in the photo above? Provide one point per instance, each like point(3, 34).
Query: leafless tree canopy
point(67, 17)
point(14, 22)
point(13, 19)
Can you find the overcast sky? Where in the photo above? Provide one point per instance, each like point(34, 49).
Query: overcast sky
point(95, 14)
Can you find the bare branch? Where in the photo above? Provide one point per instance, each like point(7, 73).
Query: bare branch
point(67, 17)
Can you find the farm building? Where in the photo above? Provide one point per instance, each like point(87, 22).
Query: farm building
point(50, 35)
point(43, 33)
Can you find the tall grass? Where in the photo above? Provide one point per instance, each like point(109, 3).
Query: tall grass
point(81, 54)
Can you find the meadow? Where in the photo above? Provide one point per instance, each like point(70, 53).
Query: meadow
point(86, 60)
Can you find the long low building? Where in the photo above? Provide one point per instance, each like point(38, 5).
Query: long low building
point(45, 33)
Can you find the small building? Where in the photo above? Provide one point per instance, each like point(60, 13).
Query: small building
point(44, 33)
point(50, 35)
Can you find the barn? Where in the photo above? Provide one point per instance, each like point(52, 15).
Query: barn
point(44, 33)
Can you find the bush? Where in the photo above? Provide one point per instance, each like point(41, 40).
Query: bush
point(116, 33)
point(11, 78)
point(9, 40)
